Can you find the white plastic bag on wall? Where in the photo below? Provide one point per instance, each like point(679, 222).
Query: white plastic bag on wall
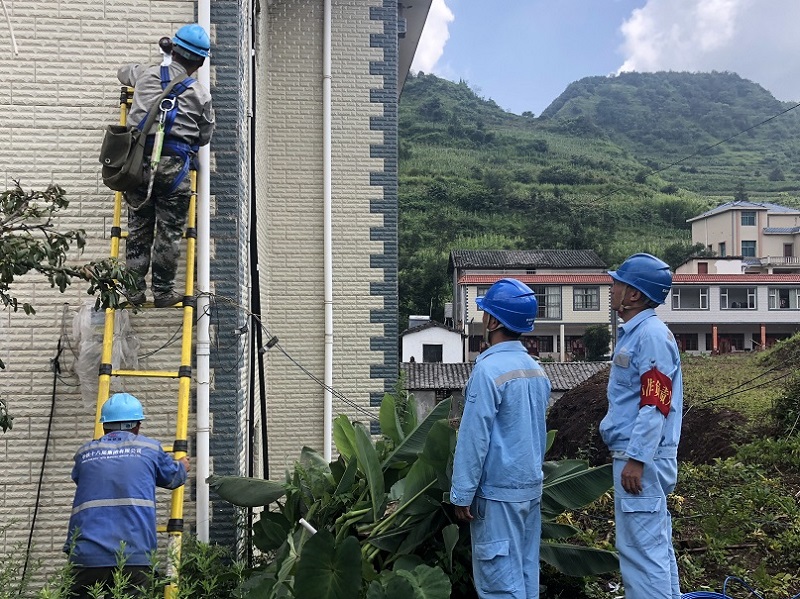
point(87, 330)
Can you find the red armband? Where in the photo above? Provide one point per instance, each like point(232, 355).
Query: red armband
point(656, 391)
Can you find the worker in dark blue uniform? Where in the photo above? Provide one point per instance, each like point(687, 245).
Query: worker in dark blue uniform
point(115, 499)
point(642, 428)
point(497, 470)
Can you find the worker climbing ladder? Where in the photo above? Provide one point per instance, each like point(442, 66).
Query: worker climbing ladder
point(174, 526)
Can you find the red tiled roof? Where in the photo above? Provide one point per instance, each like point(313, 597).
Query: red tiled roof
point(570, 279)
point(603, 279)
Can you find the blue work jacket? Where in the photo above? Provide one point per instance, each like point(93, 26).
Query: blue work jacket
point(115, 498)
point(643, 434)
point(502, 436)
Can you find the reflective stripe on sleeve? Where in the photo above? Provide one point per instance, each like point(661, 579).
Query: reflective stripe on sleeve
point(528, 373)
point(127, 501)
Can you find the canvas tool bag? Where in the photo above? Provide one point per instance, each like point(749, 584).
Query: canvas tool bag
point(122, 151)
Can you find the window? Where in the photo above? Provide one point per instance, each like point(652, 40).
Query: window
point(690, 298)
point(737, 298)
point(749, 249)
point(687, 341)
point(544, 343)
point(748, 218)
point(481, 291)
point(586, 298)
point(784, 298)
point(722, 251)
point(431, 353)
point(702, 268)
point(549, 302)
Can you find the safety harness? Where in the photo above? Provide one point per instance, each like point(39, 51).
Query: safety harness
point(172, 146)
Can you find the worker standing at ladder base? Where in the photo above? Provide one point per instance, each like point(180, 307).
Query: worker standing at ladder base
point(643, 427)
point(157, 209)
point(115, 499)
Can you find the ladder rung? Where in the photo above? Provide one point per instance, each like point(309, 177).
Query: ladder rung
point(156, 374)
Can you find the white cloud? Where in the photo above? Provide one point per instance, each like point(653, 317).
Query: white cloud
point(434, 37)
point(754, 38)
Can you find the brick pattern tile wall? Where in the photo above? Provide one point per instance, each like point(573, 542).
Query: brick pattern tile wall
point(55, 99)
point(290, 211)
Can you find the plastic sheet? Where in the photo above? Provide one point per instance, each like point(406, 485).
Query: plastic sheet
point(87, 331)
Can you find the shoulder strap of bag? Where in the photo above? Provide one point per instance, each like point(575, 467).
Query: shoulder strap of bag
point(144, 124)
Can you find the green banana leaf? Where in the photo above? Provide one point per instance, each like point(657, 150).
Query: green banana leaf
point(553, 530)
point(413, 444)
point(326, 571)
point(390, 419)
point(246, 492)
point(368, 460)
point(575, 490)
point(575, 560)
point(559, 468)
point(344, 436)
point(348, 478)
point(270, 531)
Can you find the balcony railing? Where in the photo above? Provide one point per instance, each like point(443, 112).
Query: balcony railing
point(780, 261)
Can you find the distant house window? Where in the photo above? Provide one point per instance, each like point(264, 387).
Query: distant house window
point(749, 249)
point(586, 298)
point(431, 353)
point(722, 251)
point(748, 218)
point(737, 298)
point(702, 268)
point(687, 341)
point(544, 343)
point(784, 298)
point(482, 289)
point(690, 298)
point(549, 302)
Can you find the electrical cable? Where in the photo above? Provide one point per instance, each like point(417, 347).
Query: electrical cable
point(339, 395)
point(56, 371)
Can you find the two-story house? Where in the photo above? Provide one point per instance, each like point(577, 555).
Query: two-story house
point(720, 313)
point(571, 287)
point(765, 235)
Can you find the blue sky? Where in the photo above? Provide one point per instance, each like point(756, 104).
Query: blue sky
point(524, 53)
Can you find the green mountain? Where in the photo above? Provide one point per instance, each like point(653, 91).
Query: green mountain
point(614, 164)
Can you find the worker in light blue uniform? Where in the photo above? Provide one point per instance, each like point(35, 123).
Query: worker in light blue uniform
point(115, 498)
point(497, 469)
point(642, 428)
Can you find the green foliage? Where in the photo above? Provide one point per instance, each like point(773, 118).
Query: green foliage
point(786, 409)
point(30, 242)
point(603, 168)
point(596, 339)
point(206, 571)
point(381, 519)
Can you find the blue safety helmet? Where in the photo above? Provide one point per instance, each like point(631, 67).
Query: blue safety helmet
point(122, 407)
point(194, 39)
point(511, 302)
point(646, 273)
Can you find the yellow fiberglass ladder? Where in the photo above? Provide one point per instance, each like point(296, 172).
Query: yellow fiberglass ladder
point(180, 446)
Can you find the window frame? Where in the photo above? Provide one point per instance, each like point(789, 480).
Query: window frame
point(750, 215)
point(751, 294)
point(587, 292)
point(773, 298)
point(550, 302)
point(754, 248)
point(703, 294)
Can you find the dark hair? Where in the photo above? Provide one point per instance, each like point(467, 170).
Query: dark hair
point(186, 58)
point(509, 333)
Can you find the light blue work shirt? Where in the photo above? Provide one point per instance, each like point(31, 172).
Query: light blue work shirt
point(502, 436)
point(642, 434)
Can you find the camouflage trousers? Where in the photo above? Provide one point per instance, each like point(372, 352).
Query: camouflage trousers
point(155, 225)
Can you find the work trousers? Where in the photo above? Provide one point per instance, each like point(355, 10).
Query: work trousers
point(505, 548)
point(84, 579)
point(644, 532)
point(155, 226)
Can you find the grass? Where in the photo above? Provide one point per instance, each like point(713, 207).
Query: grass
point(735, 381)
